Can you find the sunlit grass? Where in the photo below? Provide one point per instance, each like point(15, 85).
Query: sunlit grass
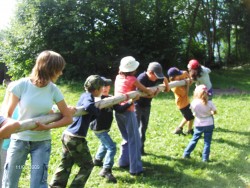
point(164, 166)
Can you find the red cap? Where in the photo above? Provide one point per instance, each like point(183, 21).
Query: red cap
point(193, 64)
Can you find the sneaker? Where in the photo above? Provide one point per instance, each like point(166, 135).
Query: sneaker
point(107, 173)
point(97, 162)
point(179, 130)
point(190, 132)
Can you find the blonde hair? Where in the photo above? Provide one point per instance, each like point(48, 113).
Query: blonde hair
point(48, 65)
point(201, 92)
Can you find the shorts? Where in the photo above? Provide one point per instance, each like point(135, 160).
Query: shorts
point(187, 113)
point(2, 119)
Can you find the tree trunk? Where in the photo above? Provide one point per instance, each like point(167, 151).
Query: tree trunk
point(191, 29)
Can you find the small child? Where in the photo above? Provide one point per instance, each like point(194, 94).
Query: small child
point(182, 99)
point(101, 127)
point(7, 125)
point(5, 143)
point(203, 110)
point(75, 148)
point(130, 155)
point(200, 75)
point(149, 78)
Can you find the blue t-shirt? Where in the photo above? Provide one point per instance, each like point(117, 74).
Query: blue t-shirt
point(34, 102)
point(80, 124)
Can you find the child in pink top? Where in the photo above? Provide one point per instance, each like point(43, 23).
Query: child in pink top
point(131, 145)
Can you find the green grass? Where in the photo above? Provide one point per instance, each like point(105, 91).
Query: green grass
point(164, 166)
point(237, 78)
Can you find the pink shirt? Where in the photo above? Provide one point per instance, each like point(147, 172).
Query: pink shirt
point(125, 84)
point(202, 113)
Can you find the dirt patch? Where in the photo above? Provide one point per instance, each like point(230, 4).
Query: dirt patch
point(231, 91)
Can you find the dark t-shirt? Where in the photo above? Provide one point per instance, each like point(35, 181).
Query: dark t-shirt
point(80, 124)
point(144, 80)
point(105, 118)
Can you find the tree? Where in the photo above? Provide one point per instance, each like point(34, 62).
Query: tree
point(94, 35)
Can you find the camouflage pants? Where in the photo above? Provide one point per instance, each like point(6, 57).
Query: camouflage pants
point(75, 151)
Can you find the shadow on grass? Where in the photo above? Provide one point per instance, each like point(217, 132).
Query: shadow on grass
point(176, 172)
point(231, 143)
point(219, 129)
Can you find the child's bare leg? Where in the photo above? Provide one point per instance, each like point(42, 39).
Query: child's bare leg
point(183, 122)
point(179, 129)
point(190, 127)
point(190, 124)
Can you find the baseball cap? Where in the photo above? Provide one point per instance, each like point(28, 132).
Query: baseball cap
point(173, 71)
point(107, 82)
point(93, 82)
point(193, 64)
point(128, 64)
point(156, 68)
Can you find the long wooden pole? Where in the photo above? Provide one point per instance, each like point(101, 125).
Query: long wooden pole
point(110, 101)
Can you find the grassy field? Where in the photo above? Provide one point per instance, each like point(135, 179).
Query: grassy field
point(163, 164)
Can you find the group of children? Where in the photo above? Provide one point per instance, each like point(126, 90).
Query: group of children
point(132, 117)
point(201, 109)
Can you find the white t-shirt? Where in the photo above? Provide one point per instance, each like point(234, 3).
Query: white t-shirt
point(204, 79)
point(202, 112)
point(33, 102)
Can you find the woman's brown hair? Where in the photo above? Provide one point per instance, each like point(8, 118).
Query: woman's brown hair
point(48, 65)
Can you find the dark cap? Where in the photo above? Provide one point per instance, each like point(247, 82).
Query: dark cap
point(93, 82)
point(157, 69)
point(173, 71)
point(107, 82)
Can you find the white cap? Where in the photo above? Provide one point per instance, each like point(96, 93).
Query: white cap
point(128, 64)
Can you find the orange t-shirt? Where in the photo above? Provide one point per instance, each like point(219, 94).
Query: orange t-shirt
point(181, 93)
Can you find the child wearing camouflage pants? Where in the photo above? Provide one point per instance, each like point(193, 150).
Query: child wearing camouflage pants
point(75, 148)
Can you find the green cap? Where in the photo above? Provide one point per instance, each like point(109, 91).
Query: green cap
point(93, 82)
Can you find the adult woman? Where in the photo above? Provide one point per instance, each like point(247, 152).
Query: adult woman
point(35, 96)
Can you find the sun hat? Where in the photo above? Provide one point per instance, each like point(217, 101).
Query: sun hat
point(107, 82)
point(173, 71)
point(128, 64)
point(94, 82)
point(193, 64)
point(156, 68)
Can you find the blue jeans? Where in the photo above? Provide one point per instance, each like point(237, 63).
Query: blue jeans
point(106, 149)
point(208, 132)
point(15, 163)
point(131, 145)
point(142, 115)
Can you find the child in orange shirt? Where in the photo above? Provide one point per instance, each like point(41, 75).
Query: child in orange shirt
point(182, 99)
